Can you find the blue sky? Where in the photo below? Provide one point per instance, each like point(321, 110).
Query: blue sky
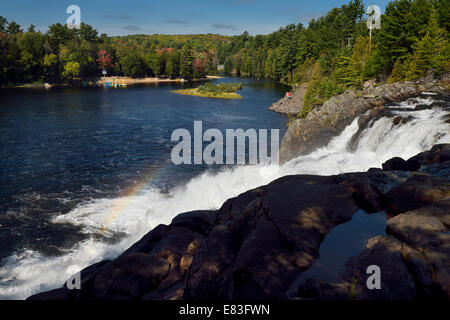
point(228, 17)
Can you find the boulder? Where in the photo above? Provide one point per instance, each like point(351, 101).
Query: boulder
point(400, 164)
point(396, 280)
point(365, 191)
point(438, 153)
point(418, 191)
point(304, 136)
point(393, 92)
point(399, 120)
point(339, 111)
point(130, 276)
point(423, 227)
point(212, 264)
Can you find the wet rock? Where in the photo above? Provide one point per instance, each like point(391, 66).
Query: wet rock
point(426, 238)
point(399, 120)
point(447, 118)
point(303, 137)
point(386, 180)
point(439, 261)
point(259, 242)
point(438, 153)
point(212, 265)
point(322, 290)
point(396, 280)
point(423, 227)
point(418, 191)
point(394, 164)
point(421, 107)
point(400, 164)
point(412, 101)
point(56, 294)
point(366, 121)
point(147, 242)
point(439, 104)
point(414, 261)
point(131, 275)
point(365, 192)
point(271, 240)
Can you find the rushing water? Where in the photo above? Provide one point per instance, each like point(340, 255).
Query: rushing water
point(88, 172)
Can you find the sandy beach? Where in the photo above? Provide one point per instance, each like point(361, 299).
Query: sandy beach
point(129, 81)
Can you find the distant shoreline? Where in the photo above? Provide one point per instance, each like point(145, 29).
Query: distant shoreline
point(128, 80)
point(113, 80)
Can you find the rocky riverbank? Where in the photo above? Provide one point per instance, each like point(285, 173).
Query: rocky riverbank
point(290, 105)
point(257, 244)
point(328, 120)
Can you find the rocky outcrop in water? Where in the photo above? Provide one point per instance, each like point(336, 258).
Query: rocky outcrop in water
point(290, 105)
point(258, 243)
point(326, 121)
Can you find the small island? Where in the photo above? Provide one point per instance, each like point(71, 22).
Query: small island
point(208, 90)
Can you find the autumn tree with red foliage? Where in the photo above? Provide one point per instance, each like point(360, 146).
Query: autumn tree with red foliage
point(104, 60)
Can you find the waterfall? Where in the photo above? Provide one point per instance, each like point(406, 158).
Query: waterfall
point(28, 272)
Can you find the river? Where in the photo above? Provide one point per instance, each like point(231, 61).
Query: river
point(86, 173)
point(64, 149)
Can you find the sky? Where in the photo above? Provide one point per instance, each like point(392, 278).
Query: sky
point(227, 17)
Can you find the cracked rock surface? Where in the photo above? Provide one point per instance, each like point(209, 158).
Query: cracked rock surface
point(256, 244)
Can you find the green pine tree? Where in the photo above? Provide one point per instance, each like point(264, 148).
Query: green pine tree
point(400, 70)
point(394, 38)
point(186, 60)
point(431, 52)
point(312, 91)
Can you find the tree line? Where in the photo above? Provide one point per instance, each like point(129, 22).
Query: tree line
point(63, 54)
point(333, 53)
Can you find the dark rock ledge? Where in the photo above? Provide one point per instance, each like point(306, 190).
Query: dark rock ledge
point(256, 244)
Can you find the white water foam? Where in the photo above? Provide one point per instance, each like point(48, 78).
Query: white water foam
point(26, 273)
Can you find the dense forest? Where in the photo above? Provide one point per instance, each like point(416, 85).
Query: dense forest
point(63, 54)
point(334, 52)
point(331, 54)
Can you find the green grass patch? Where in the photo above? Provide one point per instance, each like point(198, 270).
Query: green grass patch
point(208, 90)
